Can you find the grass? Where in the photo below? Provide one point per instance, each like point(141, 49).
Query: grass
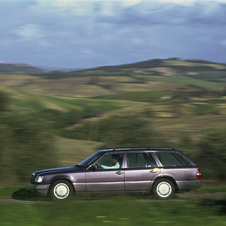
point(26, 102)
point(202, 109)
point(212, 189)
point(152, 97)
point(110, 211)
point(7, 191)
point(195, 82)
point(173, 117)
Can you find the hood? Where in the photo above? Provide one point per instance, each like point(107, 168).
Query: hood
point(59, 170)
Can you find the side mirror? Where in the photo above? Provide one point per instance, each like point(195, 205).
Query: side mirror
point(93, 167)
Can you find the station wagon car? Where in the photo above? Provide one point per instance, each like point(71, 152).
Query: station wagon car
point(158, 171)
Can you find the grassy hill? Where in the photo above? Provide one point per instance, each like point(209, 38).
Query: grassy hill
point(154, 75)
point(181, 100)
point(10, 68)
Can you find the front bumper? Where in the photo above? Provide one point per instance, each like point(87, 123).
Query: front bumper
point(39, 188)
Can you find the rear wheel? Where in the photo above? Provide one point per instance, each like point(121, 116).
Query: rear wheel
point(164, 189)
point(60, 189)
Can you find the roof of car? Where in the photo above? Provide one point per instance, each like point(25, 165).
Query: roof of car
point(141, 149)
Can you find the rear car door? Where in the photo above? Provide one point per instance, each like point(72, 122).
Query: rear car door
point(140, 171)
point(178, 167)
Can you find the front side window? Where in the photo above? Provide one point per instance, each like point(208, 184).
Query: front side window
point(140, 160)
point(111, 161)
point(169, 159)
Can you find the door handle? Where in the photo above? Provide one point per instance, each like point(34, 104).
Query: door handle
point(155, 170)
point(119, 172)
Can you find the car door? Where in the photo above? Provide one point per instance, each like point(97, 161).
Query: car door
point(140, 172)
point(106, 179)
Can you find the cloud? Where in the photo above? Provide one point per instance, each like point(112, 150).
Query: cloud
point(104, 32)
point(72, 7)
point(29, 32)
point(133, 11)
point(179, 2)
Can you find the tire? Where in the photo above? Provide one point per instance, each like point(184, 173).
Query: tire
point(164, 189)
point(60, 190)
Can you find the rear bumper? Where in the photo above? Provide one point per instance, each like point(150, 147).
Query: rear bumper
point(189, 185)
point(39, 188)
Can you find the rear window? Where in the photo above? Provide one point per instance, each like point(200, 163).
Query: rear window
point(170, 159)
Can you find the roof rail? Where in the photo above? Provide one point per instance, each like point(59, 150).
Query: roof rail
point(142, 149)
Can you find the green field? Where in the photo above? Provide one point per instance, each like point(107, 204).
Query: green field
point(196, 82)
point(112, 210)
point(83, 125)
point(204, 207)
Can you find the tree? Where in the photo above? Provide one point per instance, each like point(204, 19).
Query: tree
point(3, 102)
point(212, 157)
point(26, 145)
point(128, 131)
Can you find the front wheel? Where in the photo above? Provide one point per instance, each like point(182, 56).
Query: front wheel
point(60, 189)
point(164, 189)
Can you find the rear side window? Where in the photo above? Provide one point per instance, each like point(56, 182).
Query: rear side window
point(169, 159)
point(140, 160)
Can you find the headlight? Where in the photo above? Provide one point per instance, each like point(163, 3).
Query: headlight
point(39, 179)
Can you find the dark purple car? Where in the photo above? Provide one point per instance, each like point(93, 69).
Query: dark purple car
point(158, 171)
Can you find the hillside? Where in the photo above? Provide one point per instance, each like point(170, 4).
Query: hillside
point(154, 75)
point(153, 103)
point(9, 68)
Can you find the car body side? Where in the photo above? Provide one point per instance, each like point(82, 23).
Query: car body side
point(125, 179)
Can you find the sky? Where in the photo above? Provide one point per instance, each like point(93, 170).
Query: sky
point(92, 33)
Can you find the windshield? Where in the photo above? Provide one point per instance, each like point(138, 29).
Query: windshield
point(90, 159)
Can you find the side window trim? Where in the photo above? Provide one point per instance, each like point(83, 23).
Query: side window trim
point(151, 160)
point(159, 164)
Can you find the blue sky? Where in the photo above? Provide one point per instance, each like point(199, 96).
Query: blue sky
point(90, 33)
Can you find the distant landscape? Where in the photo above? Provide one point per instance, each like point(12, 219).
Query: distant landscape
point(161, 102)
point(171, 75)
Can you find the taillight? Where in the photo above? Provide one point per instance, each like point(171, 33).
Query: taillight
point(198, 174)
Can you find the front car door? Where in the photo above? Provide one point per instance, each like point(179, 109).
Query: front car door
point(108, 176)
point(140, 172)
